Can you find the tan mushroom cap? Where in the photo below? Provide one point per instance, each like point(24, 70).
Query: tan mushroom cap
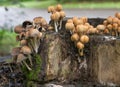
point(51, 9)
point(105, 22)
point(69, 21)
point(37, 20)
point(85, 19)
point(75, 37)
point(55, 16)
point(110, 19)
point(81, 28)
point(109, 26)
point(18, 29)
point(84, 39)
point(69, 26)
point(26, 50)
point(100, 27)
point(117, 14)
point(59, 7)
point(62, 14)
point(23, 42)
point(115, 20)
point(106, 31)
point(80, 45)
point(15, 51)
point(33, 33)
point(20, 58)
point(115, 26)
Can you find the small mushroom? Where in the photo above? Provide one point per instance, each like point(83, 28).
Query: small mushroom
point(27, 51)
point(23, 42)
point(62, 15)
point(115, 27)
point(84, 39)
point(80, 47)
point(33, 33)
point(18, 29)
point(51, 9)
point(69, 26)
point(110, 27)
point(58, 7)
point(22, 58)
point(117, 14)
point(55, 17)
point(101, 28)
point(110, 19)
point(75, 37)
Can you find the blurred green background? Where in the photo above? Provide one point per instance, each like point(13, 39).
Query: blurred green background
point(66, 3)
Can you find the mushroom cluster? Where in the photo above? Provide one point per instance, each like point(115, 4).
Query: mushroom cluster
point(57, 15)
point(112, 25)
point(29, 35)
point(79, 29)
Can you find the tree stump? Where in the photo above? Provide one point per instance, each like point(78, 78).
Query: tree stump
point(60, 58)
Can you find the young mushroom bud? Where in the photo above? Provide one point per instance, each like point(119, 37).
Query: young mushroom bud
point(117, 14)
point(110, 19)
point(69, 26)
point(51, 9)
point(84, 39)
point(75, 37)
point(27, 51)
point(101, 28)
point(80, 47)
point(85, 19)
point(58, 7)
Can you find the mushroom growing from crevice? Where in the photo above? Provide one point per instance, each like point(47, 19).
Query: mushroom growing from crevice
point(80, 47)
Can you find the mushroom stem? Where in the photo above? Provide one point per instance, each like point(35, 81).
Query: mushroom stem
point(55, 25)
point(80, 52)
point(60, 24)
point(30, 59)
point(27, 66)
point(10, 68)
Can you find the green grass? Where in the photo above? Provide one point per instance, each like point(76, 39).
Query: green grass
point(45, 4)
point(7, 41)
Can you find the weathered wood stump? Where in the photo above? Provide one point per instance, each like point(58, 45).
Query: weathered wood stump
point(60, 58)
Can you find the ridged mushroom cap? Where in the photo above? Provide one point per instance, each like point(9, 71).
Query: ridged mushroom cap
point(58, 7)
point(18, 29)
point(75, 37)
point(20, 58)
point(84, 39)
point(26, 50)
point(80, 45)
point(33, 33)
point(100, 27)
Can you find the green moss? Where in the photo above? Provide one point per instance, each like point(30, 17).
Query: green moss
point(33, 74)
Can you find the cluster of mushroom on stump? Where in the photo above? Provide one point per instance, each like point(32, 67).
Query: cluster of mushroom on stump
point(57, 15)
point(29, 35)
point(112, 25)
